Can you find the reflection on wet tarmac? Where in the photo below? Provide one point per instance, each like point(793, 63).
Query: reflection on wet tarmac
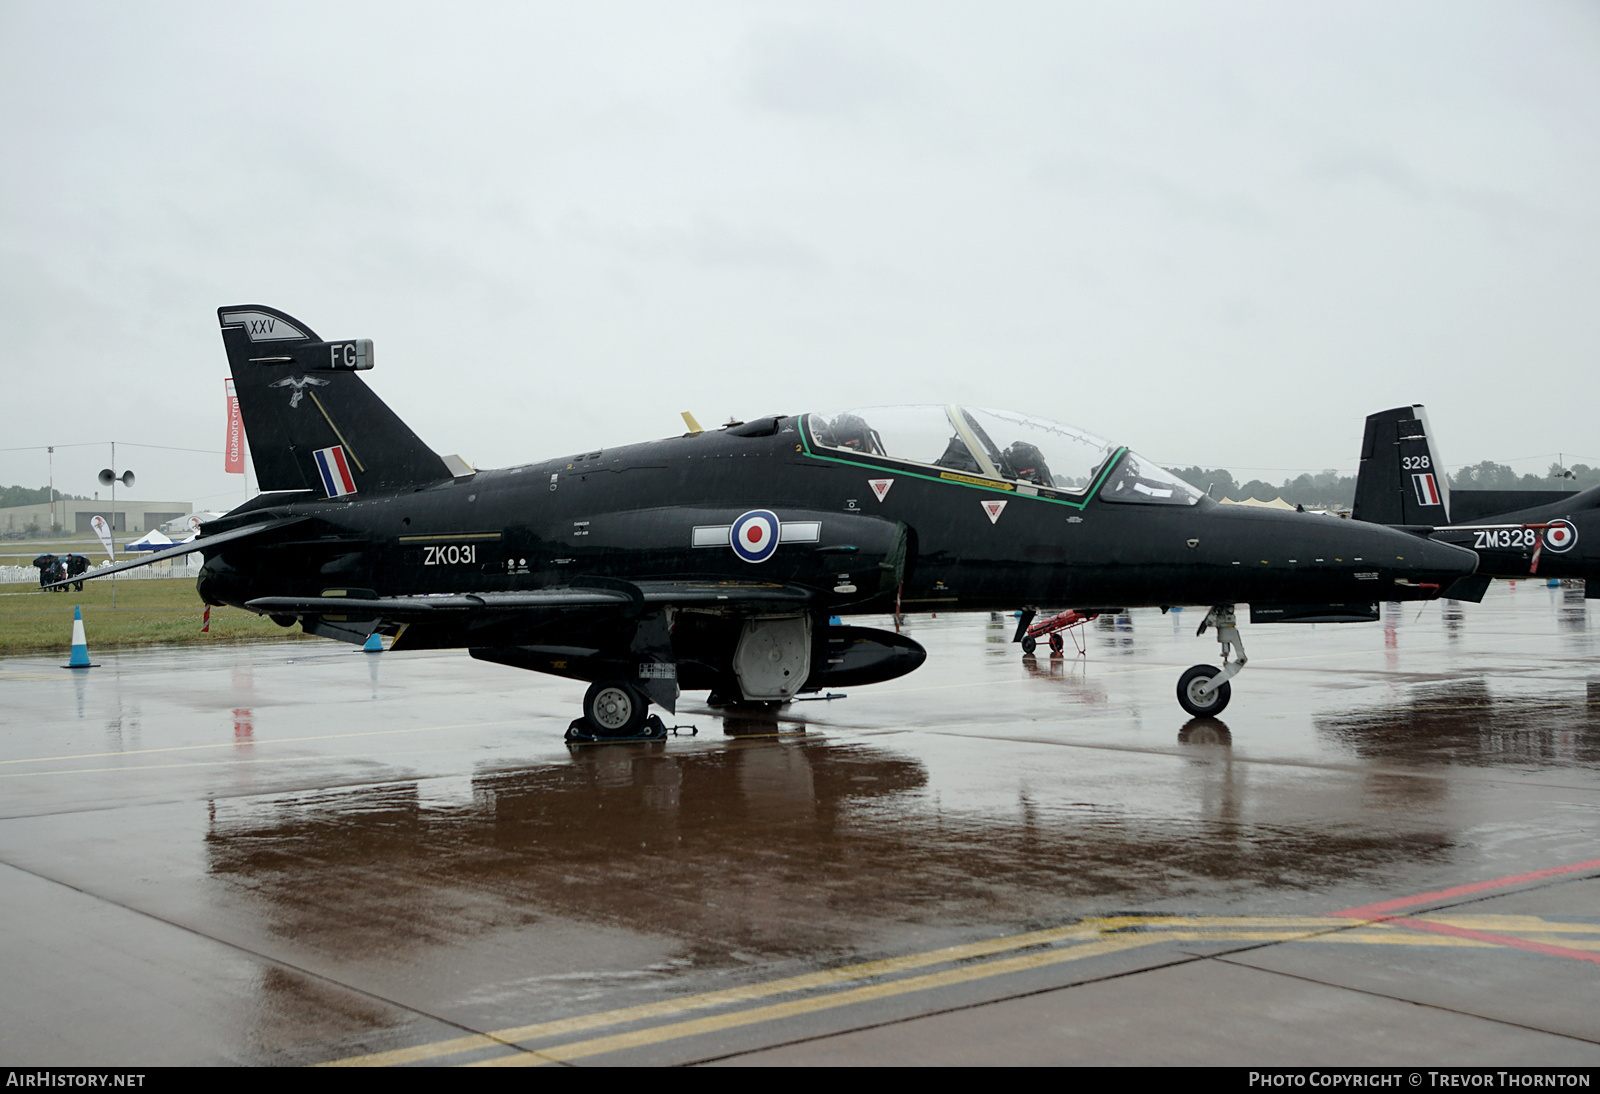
point(1572, 613)
point(80, 688)
point(1205, 731)
point(762, 847)
point(1464, 722)
point(756, 723)
point(1114, 633)
point(1454, 619)
point(705, 847)
point(1070, 676)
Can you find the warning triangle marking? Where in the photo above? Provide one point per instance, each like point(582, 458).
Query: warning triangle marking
point(880, 487)
point(993, 509)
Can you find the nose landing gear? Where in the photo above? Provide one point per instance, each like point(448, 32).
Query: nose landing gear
point(1203, 690)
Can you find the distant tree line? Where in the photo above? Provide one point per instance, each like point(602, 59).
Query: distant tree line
point(23, 495)
point(1324, 488)
point(1331, 488)
point(1489, 475)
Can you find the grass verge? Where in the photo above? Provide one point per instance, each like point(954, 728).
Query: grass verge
point(148, 612)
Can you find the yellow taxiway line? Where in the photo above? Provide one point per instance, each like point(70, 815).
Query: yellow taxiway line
point(1090, 938)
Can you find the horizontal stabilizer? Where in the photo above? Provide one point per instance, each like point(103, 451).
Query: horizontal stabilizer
point(202, 544)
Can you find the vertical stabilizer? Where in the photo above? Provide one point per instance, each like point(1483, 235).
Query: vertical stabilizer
point(313, 424)
point(1401, 480)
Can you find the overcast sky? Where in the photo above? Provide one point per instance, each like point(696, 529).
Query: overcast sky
point(1222, 233)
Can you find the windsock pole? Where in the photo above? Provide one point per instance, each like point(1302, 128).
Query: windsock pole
point(80, 647)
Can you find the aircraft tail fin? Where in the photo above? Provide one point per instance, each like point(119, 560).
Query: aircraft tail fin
point(1401, 480)
point(311, 421)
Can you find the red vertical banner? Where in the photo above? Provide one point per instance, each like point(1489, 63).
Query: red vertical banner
point(233, 459)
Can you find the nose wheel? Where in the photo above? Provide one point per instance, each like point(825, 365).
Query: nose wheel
point(1203, 690)
point(1199, 696)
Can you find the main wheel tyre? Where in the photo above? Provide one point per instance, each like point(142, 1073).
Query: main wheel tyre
point(615, 709)
point(1029, 644)
point(1190, 699)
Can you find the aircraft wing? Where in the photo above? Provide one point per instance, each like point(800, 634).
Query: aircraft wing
point(419, 608)
point(626, 597)
point(700, 594)
point(200, 544)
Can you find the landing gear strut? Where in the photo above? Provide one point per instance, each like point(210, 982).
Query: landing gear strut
point(1203, 690)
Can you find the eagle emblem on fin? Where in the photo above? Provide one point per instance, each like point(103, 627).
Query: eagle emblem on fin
point(299, 386)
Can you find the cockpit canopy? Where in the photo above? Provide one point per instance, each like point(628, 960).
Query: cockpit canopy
point(1035, 455)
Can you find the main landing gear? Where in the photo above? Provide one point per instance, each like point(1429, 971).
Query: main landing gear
point(1203, 690)
point(615, 710)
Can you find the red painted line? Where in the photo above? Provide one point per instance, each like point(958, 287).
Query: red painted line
point(1376, 911)
point(1496, 939)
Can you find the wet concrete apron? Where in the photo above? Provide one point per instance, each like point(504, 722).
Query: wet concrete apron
point(1385, 850)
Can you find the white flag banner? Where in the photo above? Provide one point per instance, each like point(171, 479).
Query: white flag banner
point(103, 530)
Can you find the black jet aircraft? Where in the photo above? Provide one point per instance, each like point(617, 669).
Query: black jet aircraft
point(713, 560)
point(1401, 483)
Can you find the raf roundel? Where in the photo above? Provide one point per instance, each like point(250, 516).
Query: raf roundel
point(754, 536)
point(1560, 536)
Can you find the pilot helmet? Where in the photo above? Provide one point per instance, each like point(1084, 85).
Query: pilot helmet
point(851, 431)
